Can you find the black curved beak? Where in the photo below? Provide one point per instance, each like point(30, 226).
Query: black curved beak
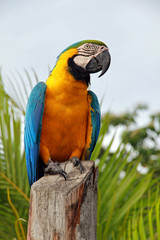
point(100, 62)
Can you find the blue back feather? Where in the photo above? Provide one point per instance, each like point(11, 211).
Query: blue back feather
point(32, 131)
point(95, 121)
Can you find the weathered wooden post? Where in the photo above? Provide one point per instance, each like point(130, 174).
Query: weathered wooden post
point(64, 210)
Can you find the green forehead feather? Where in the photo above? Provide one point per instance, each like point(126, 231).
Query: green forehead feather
point(78, 44)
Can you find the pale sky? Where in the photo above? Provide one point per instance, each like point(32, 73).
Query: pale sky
point(33, 33)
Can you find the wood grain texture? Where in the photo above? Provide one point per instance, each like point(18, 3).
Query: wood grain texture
point(64, 210)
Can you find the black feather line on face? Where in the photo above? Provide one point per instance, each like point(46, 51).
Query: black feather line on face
point(78, 72)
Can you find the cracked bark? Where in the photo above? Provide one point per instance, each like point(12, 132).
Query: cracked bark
point(64, 210)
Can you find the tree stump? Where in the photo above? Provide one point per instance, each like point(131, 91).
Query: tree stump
point(64, 210)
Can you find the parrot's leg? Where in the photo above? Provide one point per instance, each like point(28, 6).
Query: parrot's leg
point(77, 163)
point(53, 168)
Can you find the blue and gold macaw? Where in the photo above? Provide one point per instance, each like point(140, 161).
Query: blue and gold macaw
point(63, 118)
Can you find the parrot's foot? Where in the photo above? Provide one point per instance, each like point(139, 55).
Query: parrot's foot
point(77, 163)
point(53, 168)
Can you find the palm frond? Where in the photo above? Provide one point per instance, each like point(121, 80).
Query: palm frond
point(18, 218)
point(18, 88)
point(119, 210)
point(13, 174)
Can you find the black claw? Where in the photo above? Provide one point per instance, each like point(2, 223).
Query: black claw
point(81, 168)
point(53, 168)
point(77, 163)
point(63, 174)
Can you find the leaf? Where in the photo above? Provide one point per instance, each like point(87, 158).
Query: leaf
point(158, 218)
point(150, 224)
point(16, 187)
point(17, 216)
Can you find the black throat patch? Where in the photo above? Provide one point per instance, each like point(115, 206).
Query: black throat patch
point(78, 72)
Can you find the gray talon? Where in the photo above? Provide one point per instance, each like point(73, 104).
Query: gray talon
point(77, 163)
point(53, 168)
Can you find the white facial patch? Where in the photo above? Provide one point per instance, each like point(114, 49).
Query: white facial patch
point(82, 60)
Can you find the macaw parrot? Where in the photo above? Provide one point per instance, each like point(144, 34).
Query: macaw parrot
point(62, 120)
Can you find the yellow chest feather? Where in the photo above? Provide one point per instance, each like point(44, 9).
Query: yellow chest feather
point(64, 127)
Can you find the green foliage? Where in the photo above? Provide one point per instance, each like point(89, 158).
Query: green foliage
point(120, 198)
point(13, 174)
point(128, 202)
point(144, 141)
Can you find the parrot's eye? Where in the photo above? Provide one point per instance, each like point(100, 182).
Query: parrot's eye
point(86, 46)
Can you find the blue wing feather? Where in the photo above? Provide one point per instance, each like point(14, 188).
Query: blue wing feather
point(95, 121)
point(32, 131)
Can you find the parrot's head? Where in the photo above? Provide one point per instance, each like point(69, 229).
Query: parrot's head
point(85, 57)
